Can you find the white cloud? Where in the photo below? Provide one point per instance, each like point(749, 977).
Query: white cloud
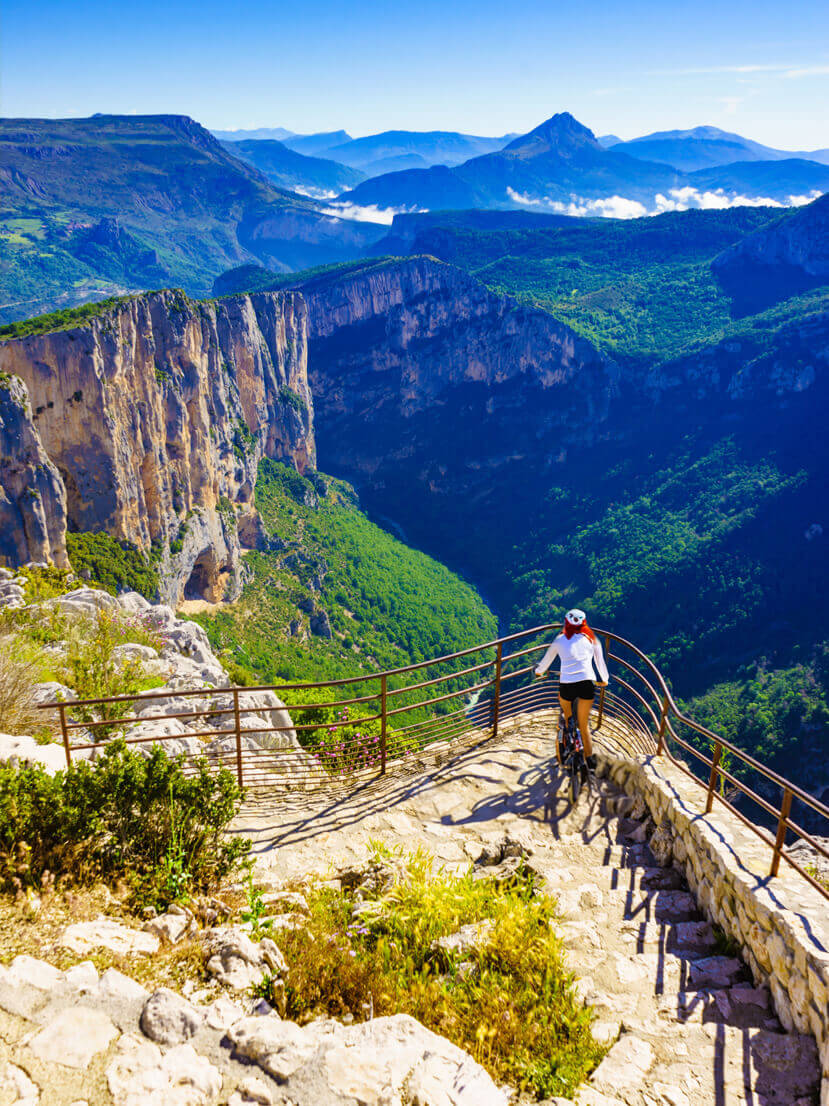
point(611, 207)
point(682, 199)
point(370, 213)
point(677, 199)
point(315, 193)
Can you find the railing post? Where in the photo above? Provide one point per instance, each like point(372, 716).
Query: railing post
point(383, 718)
point(663, 721)
point(604, 689)
point(238, 734)
point(782, 827)
point(496, 701)
point(65, 732)
point(715, 763)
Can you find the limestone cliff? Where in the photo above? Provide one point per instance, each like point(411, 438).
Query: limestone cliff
point(436, 395)
point(157, 411)
point(32, 496)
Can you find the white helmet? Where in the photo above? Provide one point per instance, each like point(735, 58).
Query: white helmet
point(576, 617)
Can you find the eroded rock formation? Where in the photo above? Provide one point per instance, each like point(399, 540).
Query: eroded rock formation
point(156, 414)
point(32, 496)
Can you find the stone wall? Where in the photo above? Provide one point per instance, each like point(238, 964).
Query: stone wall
point(781, 923)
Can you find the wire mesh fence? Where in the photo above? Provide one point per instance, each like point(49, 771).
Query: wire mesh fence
point(339, 733)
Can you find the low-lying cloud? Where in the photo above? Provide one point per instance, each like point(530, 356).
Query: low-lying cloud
point(369, 213)
point(677, 199)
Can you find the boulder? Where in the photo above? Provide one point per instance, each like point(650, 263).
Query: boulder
point(169, 1019)
point(104, 933)
point(386, 1060)
point(140, 1075)
point(84, 601)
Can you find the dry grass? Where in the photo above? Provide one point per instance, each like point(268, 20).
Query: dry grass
point(18, 709)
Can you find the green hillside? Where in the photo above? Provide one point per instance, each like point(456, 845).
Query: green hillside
point(637, 288)
point(110, 204)
point(386, 605)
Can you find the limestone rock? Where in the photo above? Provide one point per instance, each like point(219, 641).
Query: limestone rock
point(169, 1019)
point(279, 1048)
point(16, 1088)
point(116, 985)
point(32, 493)
point(170, 927)
point(469, 938)
point(238, 962)
point(73, 1037)
point(140, 1075)
point(104, 933)
point(21, 749)
point(390, 1059)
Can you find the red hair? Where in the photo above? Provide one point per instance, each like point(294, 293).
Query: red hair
point(569, 629)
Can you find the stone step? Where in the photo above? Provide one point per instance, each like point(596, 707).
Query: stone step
point(609, 878)
point(616, 976)
point(686, 939)
point(642, 906)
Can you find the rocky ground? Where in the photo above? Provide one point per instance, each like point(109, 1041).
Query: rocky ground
point(682, 1020)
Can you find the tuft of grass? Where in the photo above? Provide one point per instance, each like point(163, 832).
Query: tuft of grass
point(18, 675)
point(510, 1001)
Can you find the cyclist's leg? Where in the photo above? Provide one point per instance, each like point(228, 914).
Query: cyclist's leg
point(583, 714)
point(566, 707)
point(566, 711)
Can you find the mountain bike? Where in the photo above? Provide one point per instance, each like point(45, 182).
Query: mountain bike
point(572, 758)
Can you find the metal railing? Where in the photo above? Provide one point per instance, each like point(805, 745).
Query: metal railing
point(338, 733)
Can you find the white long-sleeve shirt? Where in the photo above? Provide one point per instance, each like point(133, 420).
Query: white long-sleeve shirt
point(578, 654)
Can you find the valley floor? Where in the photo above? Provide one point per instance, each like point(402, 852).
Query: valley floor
point(688, 1025)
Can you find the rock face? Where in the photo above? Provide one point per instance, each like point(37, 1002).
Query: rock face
point(431, 391)
point(32, 496)
point(157, 412)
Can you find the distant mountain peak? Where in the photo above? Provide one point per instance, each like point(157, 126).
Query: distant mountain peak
point(562, 133)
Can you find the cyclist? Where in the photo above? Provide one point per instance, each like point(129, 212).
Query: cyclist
point(578, 650)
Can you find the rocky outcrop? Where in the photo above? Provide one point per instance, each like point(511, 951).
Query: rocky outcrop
point(782, 259)
point(157, 412)
point(32, 496)
point(756, 368)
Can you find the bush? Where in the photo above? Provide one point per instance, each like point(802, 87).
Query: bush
point(123, 817)
point(93, 670)
point(514, 1009)
point(116, 566)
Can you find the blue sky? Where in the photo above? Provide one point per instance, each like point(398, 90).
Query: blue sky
point(485, 67)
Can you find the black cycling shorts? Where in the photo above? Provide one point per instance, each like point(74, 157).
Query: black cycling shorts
point(582, 689)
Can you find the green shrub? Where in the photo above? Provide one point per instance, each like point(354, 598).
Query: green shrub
point(515, 1011)
point(115, 566)
point(94, 671)
point(123, 817)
